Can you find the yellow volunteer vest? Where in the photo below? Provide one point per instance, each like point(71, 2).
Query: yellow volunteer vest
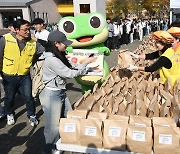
point(14, 61)
point(174, 72)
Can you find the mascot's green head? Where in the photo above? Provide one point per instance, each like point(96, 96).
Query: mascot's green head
point(85, 30)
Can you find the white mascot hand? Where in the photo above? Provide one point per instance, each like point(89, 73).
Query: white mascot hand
point(132, 68)
point(134, 55)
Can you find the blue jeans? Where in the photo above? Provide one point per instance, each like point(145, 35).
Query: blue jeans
point(13, 84)
point(53, 102)
point(1, 108)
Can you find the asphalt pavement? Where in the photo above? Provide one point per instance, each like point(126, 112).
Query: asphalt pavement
point(22, 138)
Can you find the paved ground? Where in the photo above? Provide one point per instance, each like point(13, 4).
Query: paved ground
point(22, 138)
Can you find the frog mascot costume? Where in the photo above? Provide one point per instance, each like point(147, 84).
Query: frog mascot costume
point(87, 32)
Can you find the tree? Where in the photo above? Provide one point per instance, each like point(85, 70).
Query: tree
point(117, 8)
point(156, 7)
point(122, 8)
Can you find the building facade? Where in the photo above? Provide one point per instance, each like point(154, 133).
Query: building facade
point(49, 10)
point(88, 6)
point(174, 10)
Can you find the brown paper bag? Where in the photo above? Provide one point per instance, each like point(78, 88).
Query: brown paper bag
point(108, 103)
point(77, 114)
point(91, 133)
point(80, 102)
point(166, 140)
point(88, 103)
point(139, 121)
point(175, 108)
point(114, 135)
point(122, 107)
point(125, 119)
point(116, 88)
point(118, 99)
point(165, 110)
point(141, 103)
point(124, 59)
point(69, 130)
point(139, 139)
point(97, 107)
point(97, 94)
point(97, 115)
point(153, 108)
point(114, 71)
point(106, 87)
point(110, 80)
point(163, 121)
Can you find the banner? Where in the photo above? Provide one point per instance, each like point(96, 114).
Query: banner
point(79, 55)
point(174, 3)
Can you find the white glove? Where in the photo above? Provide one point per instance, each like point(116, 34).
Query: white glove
point(134, 55)
point(132, 68)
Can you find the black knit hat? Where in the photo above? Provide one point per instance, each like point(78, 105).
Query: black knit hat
point(59, 37)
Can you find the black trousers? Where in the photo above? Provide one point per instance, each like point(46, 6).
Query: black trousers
point(109, 42)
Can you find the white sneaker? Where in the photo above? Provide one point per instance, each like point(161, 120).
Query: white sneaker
point(10, 119)
point(2, 115)
point(33, 121)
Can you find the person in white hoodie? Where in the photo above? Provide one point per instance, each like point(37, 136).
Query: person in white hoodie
point(140, 30)
point(116, 35)
point(41, 32)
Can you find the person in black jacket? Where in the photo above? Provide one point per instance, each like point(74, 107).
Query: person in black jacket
point(168, 58)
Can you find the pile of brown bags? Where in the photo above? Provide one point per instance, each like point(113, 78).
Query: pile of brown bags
point(133, 94)
point(153, 108)
point(123, 133)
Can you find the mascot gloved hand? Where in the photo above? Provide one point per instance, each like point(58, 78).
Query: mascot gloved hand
point(87, 32)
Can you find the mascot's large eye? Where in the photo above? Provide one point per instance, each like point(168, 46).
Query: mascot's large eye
point(67, 26)
point(96, 21)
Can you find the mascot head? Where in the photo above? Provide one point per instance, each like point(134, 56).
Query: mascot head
point(85, 30)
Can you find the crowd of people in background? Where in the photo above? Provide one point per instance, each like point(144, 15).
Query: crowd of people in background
point(125, 31)
point(48, 27)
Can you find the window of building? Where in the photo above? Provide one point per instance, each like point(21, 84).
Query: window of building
point(47, 21)
point(84, 8)
point(43, 16)
point(37, 14)
point(34, 15)
point(9, 17)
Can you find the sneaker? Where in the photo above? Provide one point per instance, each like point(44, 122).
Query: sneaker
point(10, 119)
point(57, 152)
point(2, 115)
point(33, 121)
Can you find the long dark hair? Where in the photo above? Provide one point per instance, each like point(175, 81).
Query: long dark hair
point(166, 46)
point(50, 47)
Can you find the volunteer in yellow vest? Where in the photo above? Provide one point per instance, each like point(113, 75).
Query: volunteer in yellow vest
point(17, 51)
point(168, 62)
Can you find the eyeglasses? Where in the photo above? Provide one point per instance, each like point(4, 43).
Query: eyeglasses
point(26, 30)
